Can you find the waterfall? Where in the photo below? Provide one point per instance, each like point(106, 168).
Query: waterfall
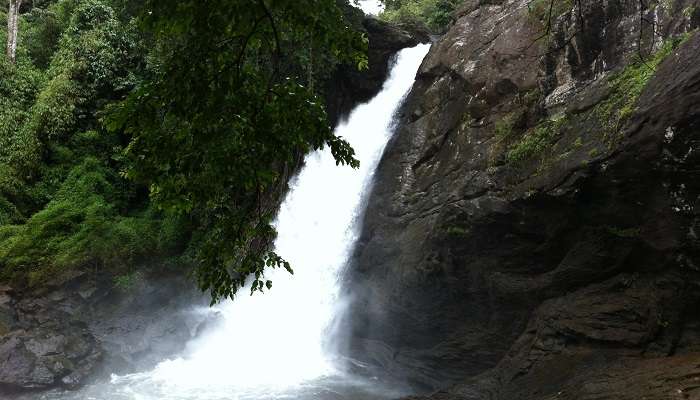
point(276, 344)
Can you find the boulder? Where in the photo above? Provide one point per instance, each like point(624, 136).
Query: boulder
point(44, 358)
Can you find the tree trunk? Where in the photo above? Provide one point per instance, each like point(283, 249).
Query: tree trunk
point(12, 28)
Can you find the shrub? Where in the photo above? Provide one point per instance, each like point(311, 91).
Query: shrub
point(19, 85)
point(81, 227)
point(536, 141)
point(128, 281)
point(434, 14)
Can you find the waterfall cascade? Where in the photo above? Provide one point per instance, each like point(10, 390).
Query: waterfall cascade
point(275, 345)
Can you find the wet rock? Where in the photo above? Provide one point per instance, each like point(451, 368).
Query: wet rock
point(492, 276)
point(348, 86)
point(17, 362)
point(8, 317)
point(70, 334)
point(42, 358)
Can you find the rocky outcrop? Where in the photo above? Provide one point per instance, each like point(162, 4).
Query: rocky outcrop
point(42, 349)
point(65, 334)
point(532, 231)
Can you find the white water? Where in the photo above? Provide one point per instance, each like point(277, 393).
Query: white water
point(276, 345)
point(373, 7)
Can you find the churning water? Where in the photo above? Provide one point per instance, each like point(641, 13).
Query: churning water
point(276, 345)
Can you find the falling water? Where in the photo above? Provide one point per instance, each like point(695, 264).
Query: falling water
point(275, 345)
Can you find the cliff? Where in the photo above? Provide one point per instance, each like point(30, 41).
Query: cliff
point(347, 86)
point(532, 231)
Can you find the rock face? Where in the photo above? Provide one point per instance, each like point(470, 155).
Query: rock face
point(348, 86)
point(71, 331)
point(533, 228)
point(48, 356)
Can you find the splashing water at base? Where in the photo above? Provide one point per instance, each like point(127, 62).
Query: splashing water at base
point(275, 345)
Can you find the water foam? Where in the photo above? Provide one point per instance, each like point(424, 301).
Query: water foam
point(276, 345)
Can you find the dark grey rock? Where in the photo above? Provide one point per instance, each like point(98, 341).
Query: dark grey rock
point(70, 333)
point(347, 86)
point(489, 278)
point(40, 358)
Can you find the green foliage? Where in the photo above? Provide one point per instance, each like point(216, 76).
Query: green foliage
point(8, 212)
point(536, 141)
point(99, 52)
point(227, 110)
point(42, 28)
point(53, 114)
point(3, 27)
point(44, 110)
point(128, 281)
point(19, 85)
point(504, 126)
point(62, 203)
point(629, 233)
point(434, 14)
point(210, 107)
point(627, 85)
point(457, 232)
point(82, 226)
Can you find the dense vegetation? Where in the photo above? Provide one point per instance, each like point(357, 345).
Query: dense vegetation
point(137, 133)
point(436, 15)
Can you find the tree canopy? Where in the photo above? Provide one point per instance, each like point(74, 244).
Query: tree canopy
point(226, 111)
point(436, 15)
point(178, 122)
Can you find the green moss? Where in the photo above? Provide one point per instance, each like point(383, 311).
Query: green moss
point(128, 281)
point(627, 85)
point(467, 120)
point(623, 232)
point(531, 97)
point(536, 141)
point(457, 231)
point(544, 12)
point(504, 126)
